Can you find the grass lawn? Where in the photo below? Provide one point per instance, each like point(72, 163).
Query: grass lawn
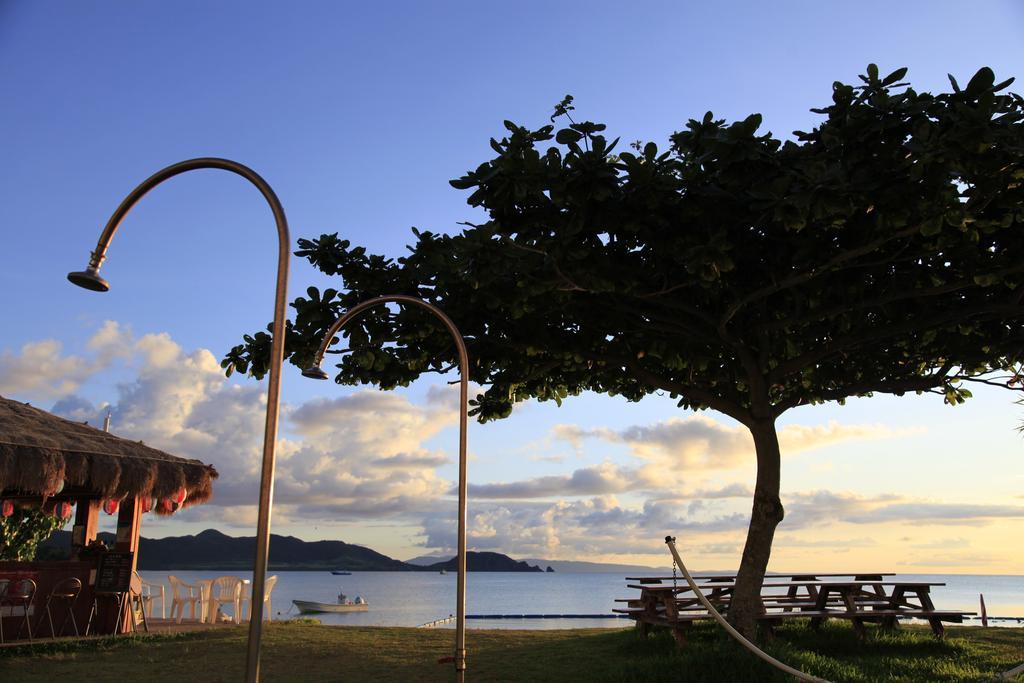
point(305, 652)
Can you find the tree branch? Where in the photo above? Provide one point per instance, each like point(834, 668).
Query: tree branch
point(902, 386)
point(799, 278)
point(852, 342)
point(694, 394)
point(903, 295)
point(571, 285)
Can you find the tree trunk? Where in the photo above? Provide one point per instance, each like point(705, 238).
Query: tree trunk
point(767, 512)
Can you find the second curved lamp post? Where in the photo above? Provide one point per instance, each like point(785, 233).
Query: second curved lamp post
point(90, 279)
point(315, 372)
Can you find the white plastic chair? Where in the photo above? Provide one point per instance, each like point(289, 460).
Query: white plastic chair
point(225, 590)
point(205, 588)
point(183, 594)
point(268, 588)
point(152, 592)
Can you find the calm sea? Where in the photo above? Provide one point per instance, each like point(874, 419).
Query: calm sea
point(415, 598)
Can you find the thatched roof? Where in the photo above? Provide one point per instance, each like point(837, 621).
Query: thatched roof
point(40, 451)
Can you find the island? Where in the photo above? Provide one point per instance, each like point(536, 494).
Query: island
point(213, 550)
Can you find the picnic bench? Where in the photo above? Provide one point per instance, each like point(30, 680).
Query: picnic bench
point(860, 598)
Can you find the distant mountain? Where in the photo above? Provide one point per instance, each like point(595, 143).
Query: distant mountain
point(426, 560)
point(572, 567)
point(485, 562)
point(212, 550)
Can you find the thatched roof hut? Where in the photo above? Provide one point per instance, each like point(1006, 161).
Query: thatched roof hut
point(41, 454)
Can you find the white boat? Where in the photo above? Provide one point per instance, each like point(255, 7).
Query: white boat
point(308, 607)
point(343, 605)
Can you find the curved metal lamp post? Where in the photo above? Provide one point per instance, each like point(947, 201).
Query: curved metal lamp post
point(315, 372)
point(90, 279)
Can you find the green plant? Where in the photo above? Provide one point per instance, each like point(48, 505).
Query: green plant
point(23, 531)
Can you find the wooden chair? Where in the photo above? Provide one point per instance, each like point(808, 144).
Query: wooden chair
point(183, 594)
point(268, 588)
point(65, 593)
point(225, 590)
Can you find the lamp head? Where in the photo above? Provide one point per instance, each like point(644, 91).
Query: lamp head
point(89, 279)
point(315, 372)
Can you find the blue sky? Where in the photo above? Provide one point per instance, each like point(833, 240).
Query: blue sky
point(358, 116)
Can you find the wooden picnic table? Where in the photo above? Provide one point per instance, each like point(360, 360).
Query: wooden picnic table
point(880, 606)
point(801, 576)
point(862, 599)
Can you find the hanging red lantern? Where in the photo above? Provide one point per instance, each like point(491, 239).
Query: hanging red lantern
point(167, 506)
point(147, 504)
point(62, 510)
point(7, 508)
point(111, 505)
point(180, 496)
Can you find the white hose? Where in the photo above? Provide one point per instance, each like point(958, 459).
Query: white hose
point(1015, 671)
point(671, 542)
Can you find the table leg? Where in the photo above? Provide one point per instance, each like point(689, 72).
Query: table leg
point(791, 593)
point(794, 591)
point(876, 590)
point(820, 603)
point(926, 602)
point(848, 594)
point(895, 602)
point(679, 634)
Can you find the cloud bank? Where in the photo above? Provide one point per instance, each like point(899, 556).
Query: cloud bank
point(361, 457)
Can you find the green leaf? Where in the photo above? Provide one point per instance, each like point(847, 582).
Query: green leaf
point(567, 136)
point(999, 86)
point(981, 81)
point(932, 227)
point(896, 75)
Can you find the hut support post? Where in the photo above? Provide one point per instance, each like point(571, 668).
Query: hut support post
point(87, 513)
point(129, 526)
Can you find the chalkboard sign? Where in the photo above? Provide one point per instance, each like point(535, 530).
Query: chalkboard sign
point(115, 573)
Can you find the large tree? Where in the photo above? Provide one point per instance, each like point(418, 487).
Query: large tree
point(882, 252)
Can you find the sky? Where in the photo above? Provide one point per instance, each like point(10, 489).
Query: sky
point(358, 114)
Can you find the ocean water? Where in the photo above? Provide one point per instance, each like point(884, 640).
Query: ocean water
point(415, 598)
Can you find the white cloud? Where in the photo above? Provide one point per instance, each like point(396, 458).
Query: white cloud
point(969, 514)
point(589, 481)
point(698, 442)
point(735, 490)
point(598, 526)
point(362, 456)
point(821, 508)
point(40, 372)
point(356, 456)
